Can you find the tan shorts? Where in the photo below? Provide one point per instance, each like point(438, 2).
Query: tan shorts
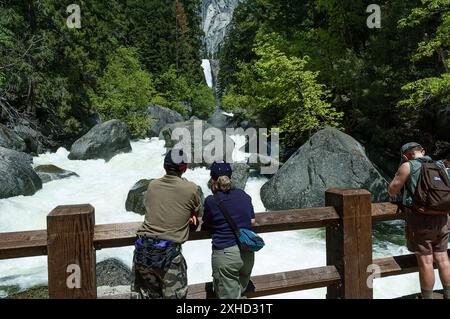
point(426, 234)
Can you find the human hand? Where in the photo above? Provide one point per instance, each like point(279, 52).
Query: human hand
point(193, 220)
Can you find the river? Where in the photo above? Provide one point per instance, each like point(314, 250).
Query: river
point(106, 185)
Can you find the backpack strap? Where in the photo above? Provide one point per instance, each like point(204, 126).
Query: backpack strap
point(227, 215)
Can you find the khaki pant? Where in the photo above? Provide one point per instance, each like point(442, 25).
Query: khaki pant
point(231, 272)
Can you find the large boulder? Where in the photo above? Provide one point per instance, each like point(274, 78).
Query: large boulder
point(48, 173)
point(162, 116)
point(110, 273)
point(16, 156)
point(17, 177)
point(12, 140)
point(33, 139)
point(330, 159)
point(221, 120)
point(264, 164)
point(195, 129)
point(113, 272)
point(135, 198)
point(241, 172)
point(103, 141)
point(136, 195)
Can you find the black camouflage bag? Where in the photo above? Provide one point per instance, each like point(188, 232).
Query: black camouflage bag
point(155, 253)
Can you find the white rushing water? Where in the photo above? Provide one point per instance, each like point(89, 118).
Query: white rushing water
point(106, 185)
point(206, 65)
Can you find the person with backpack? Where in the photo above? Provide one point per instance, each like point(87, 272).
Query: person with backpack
point(224, 211)
point(425, 189)
point(172, 204)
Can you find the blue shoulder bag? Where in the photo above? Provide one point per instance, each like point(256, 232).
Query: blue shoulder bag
point(247, 240)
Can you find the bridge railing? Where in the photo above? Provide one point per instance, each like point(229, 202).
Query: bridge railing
point(72, 239)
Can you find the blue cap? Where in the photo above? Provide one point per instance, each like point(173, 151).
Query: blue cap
point(220, 169)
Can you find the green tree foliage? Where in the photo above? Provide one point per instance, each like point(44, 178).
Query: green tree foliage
point(178, 93)
point(123, 92)
point(203, 101)
point(364, 69)
point(280, 86)
point(48, 71)
point(432, 92)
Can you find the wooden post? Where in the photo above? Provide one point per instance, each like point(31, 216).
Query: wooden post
point(71, 254)
point(349, 244)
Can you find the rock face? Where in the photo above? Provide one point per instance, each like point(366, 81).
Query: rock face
point(216, 18)
point(330, 159)
point(110, 272)
point(113, 272)
point(12, 140)
point(32, 138)
point(49, 173)
point(221, 120)
point(17, 177)
point(135, 198)
point(265, 164)
point(162, 116)
point(241, 171)
point(195, 130)
point(103, 141)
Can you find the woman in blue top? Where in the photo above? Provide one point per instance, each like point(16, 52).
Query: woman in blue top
point(231, 266)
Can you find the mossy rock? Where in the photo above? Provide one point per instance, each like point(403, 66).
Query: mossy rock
point(136, 195)
point(49, 173)
point(39, 292)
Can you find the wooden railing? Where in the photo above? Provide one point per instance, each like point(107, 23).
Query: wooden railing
point(72, 238)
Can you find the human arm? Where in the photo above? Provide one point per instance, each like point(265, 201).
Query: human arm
point(401, 177)
point(252, 213)
point(196, 207)
point(206, 219)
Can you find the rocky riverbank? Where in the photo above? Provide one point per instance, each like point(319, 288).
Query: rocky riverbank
point(113, 278)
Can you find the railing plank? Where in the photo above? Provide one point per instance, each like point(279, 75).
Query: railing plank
point(283, 282)
point(23, 244)
point(385, 212)
point(118, 235)
point(34, 243)
point(398, 265)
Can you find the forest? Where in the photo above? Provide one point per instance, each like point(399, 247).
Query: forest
point(304, 65)
point(296, 65)
point(125, 55)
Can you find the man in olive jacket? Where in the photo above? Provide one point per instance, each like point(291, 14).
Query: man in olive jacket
point(172, 205)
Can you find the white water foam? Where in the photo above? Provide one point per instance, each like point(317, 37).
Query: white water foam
point(106, 185)
point(206, 65)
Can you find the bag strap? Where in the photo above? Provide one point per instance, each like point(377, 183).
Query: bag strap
point(227, 215)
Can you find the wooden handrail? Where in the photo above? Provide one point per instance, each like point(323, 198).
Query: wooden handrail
point(34, 243)
point(283, 282)
point(118, 235)
point(312, 278)
point(349, 247)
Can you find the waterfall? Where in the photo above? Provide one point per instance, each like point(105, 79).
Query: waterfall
point(206, 65)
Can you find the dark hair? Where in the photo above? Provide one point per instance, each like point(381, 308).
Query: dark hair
point(172, 167)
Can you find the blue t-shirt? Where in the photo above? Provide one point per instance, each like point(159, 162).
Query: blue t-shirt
point(240, 207)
